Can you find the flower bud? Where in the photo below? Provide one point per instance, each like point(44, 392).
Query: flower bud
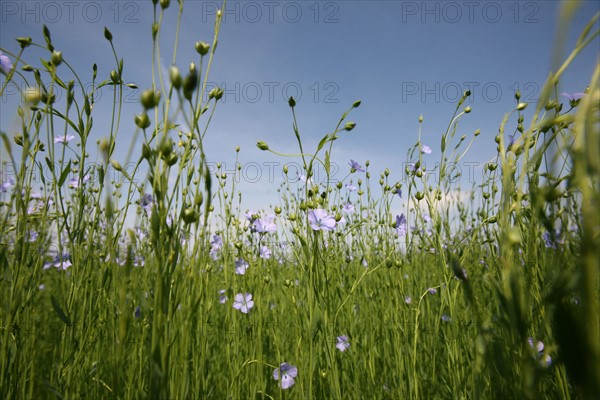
point(285, 169)
point(292, 102)
point(518, 95)
point(262, 145)
point(146, 152)
point(32, 95)
point(420, 118)
point(521, 106)
point(202, 48)
point(48, 99)
point(349, 126)
point(216, 93)
point(24, 41)
point(356, 104)
point(419, 196)
point(114, 77)
point(175, 76)
point(107, 35)
point(477, 132)
point(190, 82)
point(467, 109)
point(116, 165)
point(165, 4)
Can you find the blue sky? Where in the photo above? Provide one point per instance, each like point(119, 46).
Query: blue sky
point(401, 58)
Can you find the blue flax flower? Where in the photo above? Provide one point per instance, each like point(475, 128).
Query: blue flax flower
point(342, 343)
point(264, 225)
point(243, 302)
point(354, 166)
point(400, 225)
point(241, 266)
point(5, 64)
point(320, 220)
point(287, 373)
point(574, 98)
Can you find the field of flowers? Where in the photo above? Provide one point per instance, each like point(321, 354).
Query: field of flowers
point(325, 295)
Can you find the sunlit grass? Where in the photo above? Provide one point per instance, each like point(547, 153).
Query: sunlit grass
point(489, 291)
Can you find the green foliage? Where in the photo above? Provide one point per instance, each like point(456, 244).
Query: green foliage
point(494, 294)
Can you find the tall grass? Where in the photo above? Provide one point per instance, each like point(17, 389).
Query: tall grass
point(484, 292)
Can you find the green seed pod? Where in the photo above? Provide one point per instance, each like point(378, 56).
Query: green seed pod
point(202, 48)
point(419, 196)
point(467, 109)
point(198, 199)
point(521, 106)
point(56, 58)
point(149, 98)
point(190, 215)
point(142, 120)
point(277, 210)
point(339, 185)
point(172, 159)
point(166, 147)
point(292, 102)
